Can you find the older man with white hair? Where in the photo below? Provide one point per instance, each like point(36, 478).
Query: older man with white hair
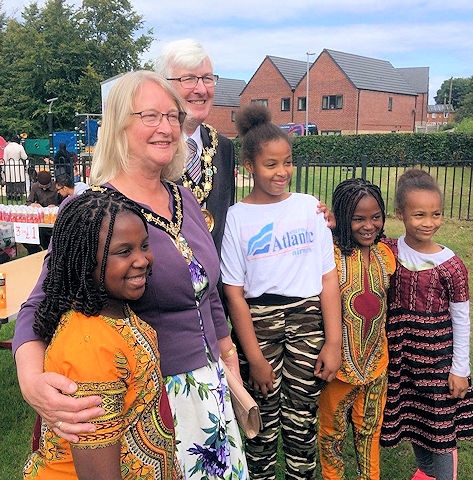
point(210, 172)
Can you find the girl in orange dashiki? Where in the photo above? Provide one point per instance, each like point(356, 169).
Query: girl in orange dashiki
point(358, 393)
point(100, 259)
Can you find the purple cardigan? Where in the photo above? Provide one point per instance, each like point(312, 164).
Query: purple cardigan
point(168, 304)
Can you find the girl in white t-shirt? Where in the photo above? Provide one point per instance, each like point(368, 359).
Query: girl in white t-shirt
point(281, 288)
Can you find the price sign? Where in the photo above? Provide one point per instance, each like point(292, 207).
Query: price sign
point(26, 232)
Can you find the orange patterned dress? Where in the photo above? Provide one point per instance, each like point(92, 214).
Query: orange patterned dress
point(118, 359)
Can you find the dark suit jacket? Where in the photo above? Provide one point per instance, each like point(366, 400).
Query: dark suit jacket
point(223, 186)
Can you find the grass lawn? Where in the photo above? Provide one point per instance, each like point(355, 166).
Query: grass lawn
point(17, 418)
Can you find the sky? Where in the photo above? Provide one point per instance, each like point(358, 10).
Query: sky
point(239, 34)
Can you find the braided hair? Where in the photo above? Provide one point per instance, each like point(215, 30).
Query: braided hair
point(345, 199)
point(69, 283)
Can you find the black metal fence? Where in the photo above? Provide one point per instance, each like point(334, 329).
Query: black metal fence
point(319, 177)
point(17, 177)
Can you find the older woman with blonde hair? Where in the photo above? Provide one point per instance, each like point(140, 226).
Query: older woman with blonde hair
point(139, 152)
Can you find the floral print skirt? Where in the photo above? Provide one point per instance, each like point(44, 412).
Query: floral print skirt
point(208, 440)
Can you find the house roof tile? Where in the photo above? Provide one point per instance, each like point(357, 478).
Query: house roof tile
point(371, 73)
point(227, 92)
point(440, 108)
point(416, 77)
point(292, 70)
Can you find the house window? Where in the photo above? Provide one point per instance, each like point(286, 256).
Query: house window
point(332, 102)
point(285, 104)
point(233, 115)
point(331, 132)
point(263, 101)
point(390, 104)
point(445, 114)
point(301, 103)
point(434, 115)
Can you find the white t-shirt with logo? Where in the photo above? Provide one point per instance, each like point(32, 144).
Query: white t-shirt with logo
point(281, 248)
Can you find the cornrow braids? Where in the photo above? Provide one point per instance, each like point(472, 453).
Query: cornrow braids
point(345, 199)
point(69, 283)
point(414, 179)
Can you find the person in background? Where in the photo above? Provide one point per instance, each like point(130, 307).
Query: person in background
point(43, 193)
point(429, 399)
point(66, 186)
point(14, 169)
point(32, 176)
point(63, 161)
point(76, 173)
point(139, 152)
point(281, 286)
point(212, 177)
point(108, 261)
point(357, 395)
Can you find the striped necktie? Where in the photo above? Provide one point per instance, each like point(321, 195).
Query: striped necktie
point(193, 161)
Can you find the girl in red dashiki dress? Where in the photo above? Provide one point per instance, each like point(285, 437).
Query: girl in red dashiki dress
point(357, 395)
point(429, 401)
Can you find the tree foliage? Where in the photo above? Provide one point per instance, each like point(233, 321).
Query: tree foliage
point(456, 88)
point(466, 108)
point(65, 52)
point(465, 125)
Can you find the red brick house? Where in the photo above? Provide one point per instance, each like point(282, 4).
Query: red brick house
point(438, 115)
point(274, 83)
point(226, 103)
point(347, 93)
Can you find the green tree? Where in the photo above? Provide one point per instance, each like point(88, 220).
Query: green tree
point(109, 29)
point(465, 110)
point(65, 52)
point(459, 87)
point(39, 67)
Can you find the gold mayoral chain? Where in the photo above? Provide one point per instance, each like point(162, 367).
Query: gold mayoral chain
point(202, 189)
point(172, 228)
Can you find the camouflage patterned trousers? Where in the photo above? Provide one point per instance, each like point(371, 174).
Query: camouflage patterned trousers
point(290, 336)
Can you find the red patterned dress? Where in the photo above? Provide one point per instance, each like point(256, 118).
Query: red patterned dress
point(420, 341)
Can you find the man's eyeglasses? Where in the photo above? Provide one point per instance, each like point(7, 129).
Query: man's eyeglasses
point(190, 81)
point(58, 189)
point(152, 118)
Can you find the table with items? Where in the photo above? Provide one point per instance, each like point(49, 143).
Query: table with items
point(21, 276)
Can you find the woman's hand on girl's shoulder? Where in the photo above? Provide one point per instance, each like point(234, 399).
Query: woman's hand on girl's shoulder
point(50, 394)
point(61, 412)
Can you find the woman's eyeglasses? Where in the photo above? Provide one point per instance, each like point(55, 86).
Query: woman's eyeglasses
point(152, 118)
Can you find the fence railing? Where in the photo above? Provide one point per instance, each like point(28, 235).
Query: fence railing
point(16, 178)
point(319, 177)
